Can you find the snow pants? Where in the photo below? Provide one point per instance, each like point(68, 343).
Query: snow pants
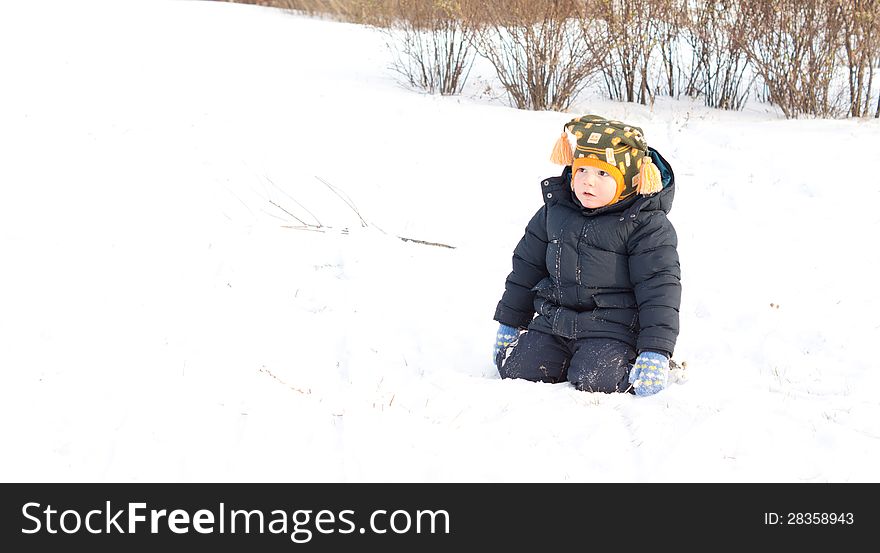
point(591, 364)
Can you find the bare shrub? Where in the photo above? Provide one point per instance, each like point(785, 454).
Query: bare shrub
point(431, 46)
point(719, 72)
point(370, 12)
point(542, 52)
point(807, 57)
point(634, 31)
point(792, 44)
point(669, 32)
point(861, 52)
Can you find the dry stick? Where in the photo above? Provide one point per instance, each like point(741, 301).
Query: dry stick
point(350, 204)
point(294, 200)
point(308, 227)
point(305, 391)
point(291, 214)
point(345, 199)
point(426, 243)
point(274, 216)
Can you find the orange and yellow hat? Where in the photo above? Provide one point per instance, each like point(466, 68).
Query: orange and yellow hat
point(616, 148)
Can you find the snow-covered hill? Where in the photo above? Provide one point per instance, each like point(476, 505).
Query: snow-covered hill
point(164, 317)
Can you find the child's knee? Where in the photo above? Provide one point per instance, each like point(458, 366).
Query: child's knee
point(529, 358)
point(539, 373)
point(598, 381)
point(602, 366)
point(524, 368)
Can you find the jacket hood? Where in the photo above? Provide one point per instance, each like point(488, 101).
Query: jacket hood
point(559, 189)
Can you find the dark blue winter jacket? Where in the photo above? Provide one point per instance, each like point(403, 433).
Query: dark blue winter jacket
point(609, 272)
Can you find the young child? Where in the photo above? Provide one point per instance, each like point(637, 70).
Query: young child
point(598, 264)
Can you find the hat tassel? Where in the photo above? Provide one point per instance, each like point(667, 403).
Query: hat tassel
point(562, 154)
point(649, 178)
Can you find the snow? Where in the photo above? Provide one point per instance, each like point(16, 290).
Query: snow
point(162, 319)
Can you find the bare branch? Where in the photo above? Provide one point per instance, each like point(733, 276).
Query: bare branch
point(426, 243)
point(289, 213)
point(344, 197)
point(294, 200)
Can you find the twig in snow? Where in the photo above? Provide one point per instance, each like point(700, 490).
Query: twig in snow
point(344, 197)
point(291, 214)
point(405, 239)
point(294, 388)
point(314, 228)
point(294, 200)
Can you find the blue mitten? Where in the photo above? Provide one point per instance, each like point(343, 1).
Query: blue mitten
point(506, 335)
point(650, 373)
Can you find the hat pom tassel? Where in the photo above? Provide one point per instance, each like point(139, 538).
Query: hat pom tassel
point(562, 154)
point(649, 178)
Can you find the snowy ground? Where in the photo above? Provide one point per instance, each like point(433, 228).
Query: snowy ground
point(161, 319)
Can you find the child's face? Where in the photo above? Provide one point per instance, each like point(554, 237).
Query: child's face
point(593, 186)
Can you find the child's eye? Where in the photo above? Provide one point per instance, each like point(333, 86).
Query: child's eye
point(581, 169)
point(602, 173)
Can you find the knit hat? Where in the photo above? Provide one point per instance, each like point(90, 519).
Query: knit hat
point(614, 147)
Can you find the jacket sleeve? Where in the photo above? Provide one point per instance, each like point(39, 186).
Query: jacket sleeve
point(656, 276)
point(516, 307)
